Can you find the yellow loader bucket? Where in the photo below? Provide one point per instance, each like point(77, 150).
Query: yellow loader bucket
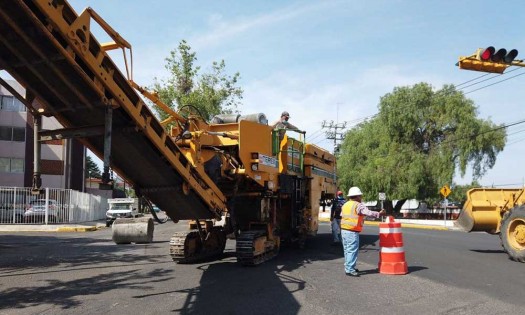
point(485, 206)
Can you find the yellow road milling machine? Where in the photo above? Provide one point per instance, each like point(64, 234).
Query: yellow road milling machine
point(497, 211)
point(266, 187)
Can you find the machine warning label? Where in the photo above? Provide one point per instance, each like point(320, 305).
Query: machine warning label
point(267, 160)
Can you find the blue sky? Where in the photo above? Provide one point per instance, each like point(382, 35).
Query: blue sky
point(333, 60)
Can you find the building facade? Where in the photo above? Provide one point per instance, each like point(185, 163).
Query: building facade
point(62, 161)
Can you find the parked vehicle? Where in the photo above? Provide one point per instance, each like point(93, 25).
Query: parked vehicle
point(454, 204)
point(450, 204)
point(156, 209)
point(122, 208)
point(10, 215)
point(36, 211)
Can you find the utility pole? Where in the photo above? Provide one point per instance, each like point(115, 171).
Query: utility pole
point(335, 132)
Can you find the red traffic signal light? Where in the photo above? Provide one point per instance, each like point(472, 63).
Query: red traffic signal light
point(490, 54)
point(486, 54)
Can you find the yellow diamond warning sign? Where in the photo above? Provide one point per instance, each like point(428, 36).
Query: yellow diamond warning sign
point(445, 191)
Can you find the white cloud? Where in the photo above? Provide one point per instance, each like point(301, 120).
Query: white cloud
point(311, 100)
point(222, 30)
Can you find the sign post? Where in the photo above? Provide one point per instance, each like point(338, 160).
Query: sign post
point(445, 191)
point(382, 197)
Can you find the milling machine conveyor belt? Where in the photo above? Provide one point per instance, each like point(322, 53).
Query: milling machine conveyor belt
point(49, 49)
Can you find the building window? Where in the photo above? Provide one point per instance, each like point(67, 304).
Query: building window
point(7, 103)
point(11, 165)
point(17, 165)
point(5, 165)
point(19, 106)
point(19, 134)
point(11, 104)
point(6, 133)
point(12, 133)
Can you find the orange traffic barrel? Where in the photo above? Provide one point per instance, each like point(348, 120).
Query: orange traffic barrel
point(391, 254)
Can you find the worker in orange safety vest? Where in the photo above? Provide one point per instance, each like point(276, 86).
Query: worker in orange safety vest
point(352, 220)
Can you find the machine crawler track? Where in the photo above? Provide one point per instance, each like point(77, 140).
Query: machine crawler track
point(249, 254)
point(187, 247)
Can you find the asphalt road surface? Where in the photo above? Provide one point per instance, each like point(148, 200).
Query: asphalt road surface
point(69, 273)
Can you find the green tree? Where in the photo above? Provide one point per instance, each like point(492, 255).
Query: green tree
point(209, 93)
point(417, 142)
point(92, 169)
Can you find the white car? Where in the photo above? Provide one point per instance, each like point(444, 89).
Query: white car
point(36, 211)
point(8, 215)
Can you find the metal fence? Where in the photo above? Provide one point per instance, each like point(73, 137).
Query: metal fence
point(19, 206)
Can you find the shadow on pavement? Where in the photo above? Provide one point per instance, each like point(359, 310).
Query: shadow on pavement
point(21, 253)
point(224, 286)
point(411, 269)
point(265, 289)
point(33, 255)
point(488, 251)
point(63, 293)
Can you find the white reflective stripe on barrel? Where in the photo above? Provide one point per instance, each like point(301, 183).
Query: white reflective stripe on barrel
point(392, 249)
point(389, 230)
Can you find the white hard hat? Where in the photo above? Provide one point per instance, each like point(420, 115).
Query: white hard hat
point(354, 191)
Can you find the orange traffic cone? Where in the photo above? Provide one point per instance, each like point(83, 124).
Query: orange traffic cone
point(392, 254)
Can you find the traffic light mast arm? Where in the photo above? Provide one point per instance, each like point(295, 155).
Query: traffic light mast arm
point(518, 63)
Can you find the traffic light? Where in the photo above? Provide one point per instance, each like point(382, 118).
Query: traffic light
point(488, 60)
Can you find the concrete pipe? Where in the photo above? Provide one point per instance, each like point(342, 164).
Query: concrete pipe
point(133, 230)
point(225, 118)
point(234, 118)
point(258, 117)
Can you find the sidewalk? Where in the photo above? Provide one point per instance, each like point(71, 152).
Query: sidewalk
point(83, 227)
point(408, 223)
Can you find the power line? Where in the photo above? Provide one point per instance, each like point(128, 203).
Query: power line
point(503, 185)
point(481, 76)
point(462, 138)
point(362, 119)
point(317, 136)
point(484, 132)
point(320, 141)
point(488, 79)
point(486, 86)
point(336, 136)
point(316, 133)
point(516, 132)
point(515, 141)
